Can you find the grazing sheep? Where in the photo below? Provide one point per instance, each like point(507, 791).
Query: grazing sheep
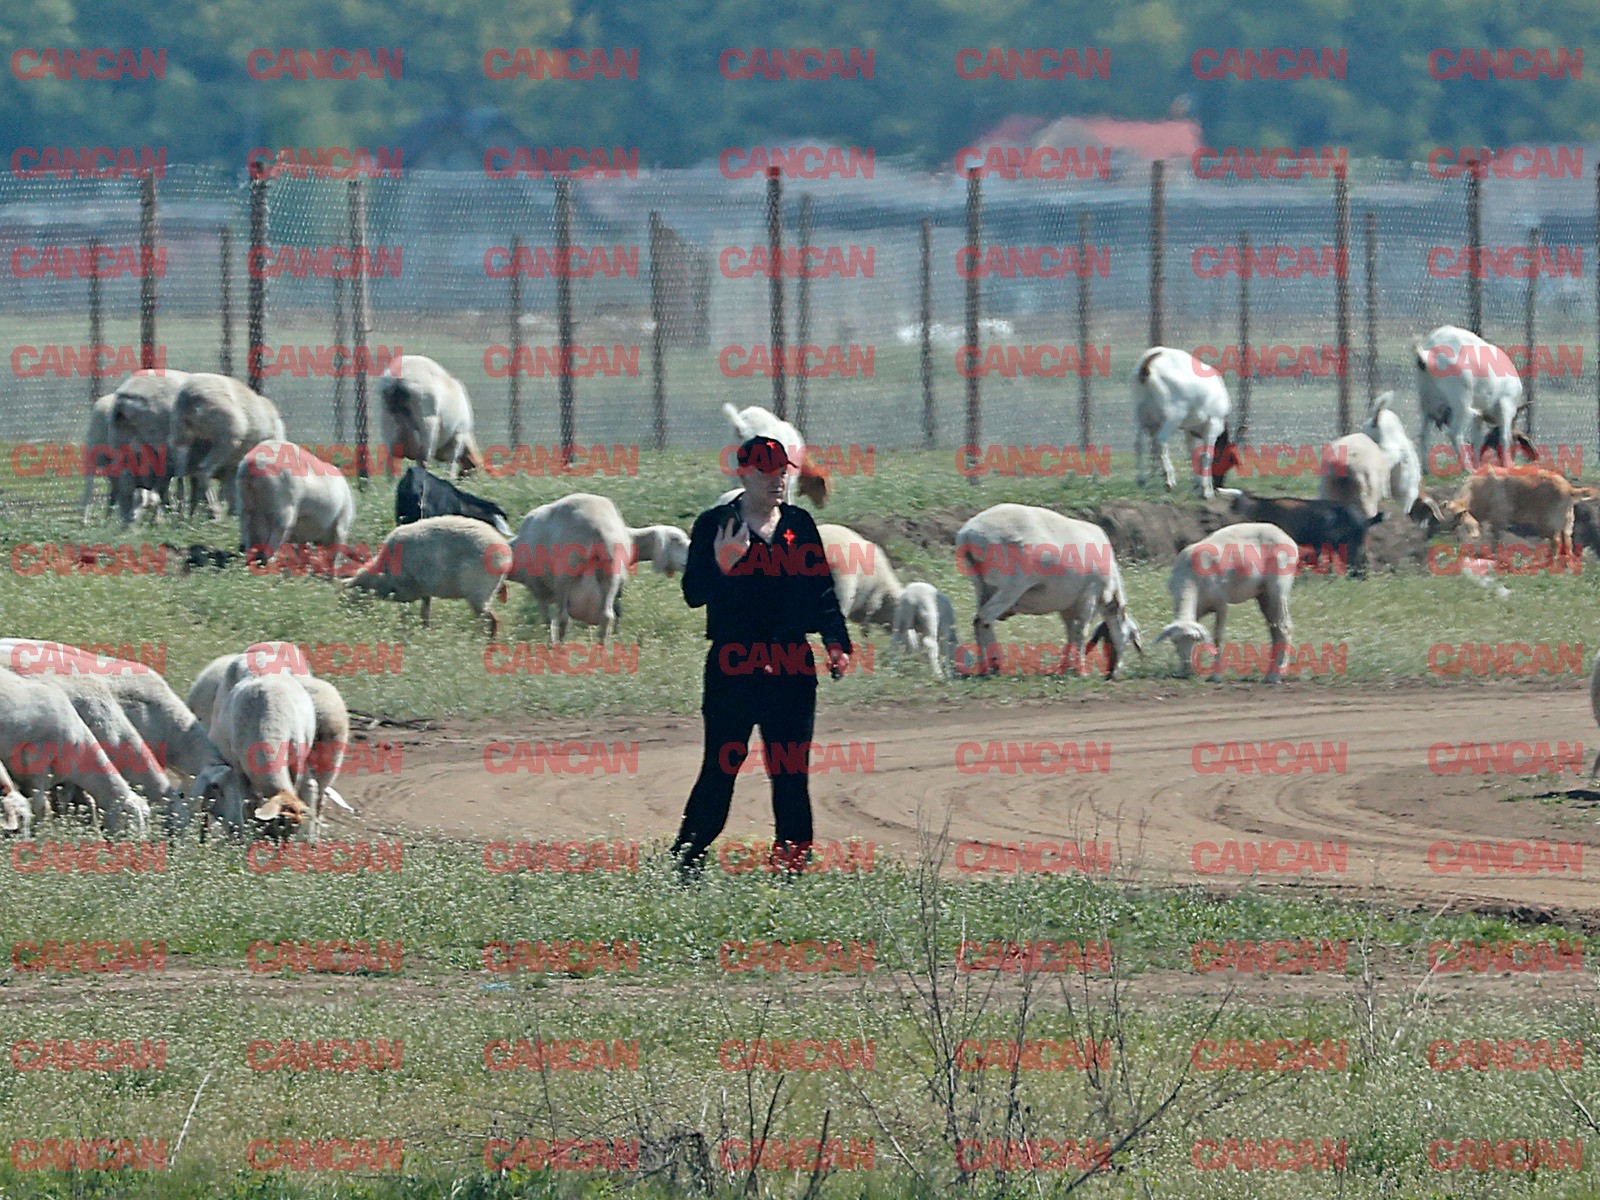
point(137, 762)
point(1318, 526)
point(44, 742)
point(422, 494)
point(1461, 376)
point(864, 581)
point(924, 617)
point(150, 705)
point(1355, 471)
point(426, 415)
point(333, 718)
point(1405, 468)
point(288, 494)
point(96, 445)
point(814, 482)
point(229, 418)
point(1169, 395)
point(1525, 496)
point(1236, 563)
point(138, 429)
point(575, 553)
point(265, 727)
point(1031, 560)
point(446, 558)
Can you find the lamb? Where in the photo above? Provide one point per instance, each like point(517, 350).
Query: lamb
point(925, 617)
point(1355, 471)
point(1236, 563)
point(574, 555)
point(427, 415)
point(814, 482)
point(1462, 376)
point(1525, 496)
point(44, 742)
point(265, 727)
point(448, 558)
point(1031, 560)
point(1169, 394)
point(288, 494)
point(1318, 526)
point(230, 419)
point(1405, 468)
point(150, 705)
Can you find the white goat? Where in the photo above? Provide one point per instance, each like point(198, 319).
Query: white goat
point(229, 419)
point(445, 558)
point(1461, 376)
point(755, 421)
point(1169, 395)
point(1034, 561)
point(925, 618)
point(1253, 560)
point(288, 494)
point(574, 555)
point(44, 742)
point(426, 415)
point(1383, 426)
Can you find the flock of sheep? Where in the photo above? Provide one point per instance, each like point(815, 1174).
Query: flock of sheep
point(260, 738)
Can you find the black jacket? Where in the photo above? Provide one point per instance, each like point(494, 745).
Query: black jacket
point(776, 593)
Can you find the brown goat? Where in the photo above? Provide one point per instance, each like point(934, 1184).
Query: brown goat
point(1521, 495)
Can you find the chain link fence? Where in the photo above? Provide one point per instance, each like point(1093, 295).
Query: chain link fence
point(688, 246)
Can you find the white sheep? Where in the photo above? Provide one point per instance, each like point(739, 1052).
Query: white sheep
point(426, 415)
point(1023, 559)
point(864, 581)
point(44, 742)
point(138, 428)
point(1383, 426)
point(445, 558)
point(755, 421)
point(288, 494)
point(1169, 395)
point(574, 554)
point(137, 762)
point(96, 446)
point(1253, 560)
point(333, 718)
point(265, 726)
point(925, 618)
point(215, 422)
point(1461, 376)
point(150, 705)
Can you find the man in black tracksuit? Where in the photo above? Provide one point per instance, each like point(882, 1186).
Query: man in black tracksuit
point(758, 567)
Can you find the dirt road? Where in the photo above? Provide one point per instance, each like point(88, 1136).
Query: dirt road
point(1151, 804)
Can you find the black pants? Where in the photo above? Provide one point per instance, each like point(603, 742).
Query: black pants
point(784, 704)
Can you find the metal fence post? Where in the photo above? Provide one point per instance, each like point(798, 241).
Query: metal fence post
point(1085, 376)
point(225, 269)
point(929, 418)
point(972, 351)
point(1372, 306)
point(1246, 376)
point(802, 328)
point(340, 338)
point(1158, 246)
point(1475, 245)
point(96, 335)
point(514, 380)
point(569, 430)
point(780, 399)
point(147, 273)
point(359, 329)
point(1341, 288)
point(658, 317)
point(257, 316)
point(1530, 382)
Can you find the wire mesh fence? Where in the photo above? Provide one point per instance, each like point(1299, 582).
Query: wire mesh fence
point(465, 269)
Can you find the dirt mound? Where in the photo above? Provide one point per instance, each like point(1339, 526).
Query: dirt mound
point(1141, 530)
point(930, 530)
